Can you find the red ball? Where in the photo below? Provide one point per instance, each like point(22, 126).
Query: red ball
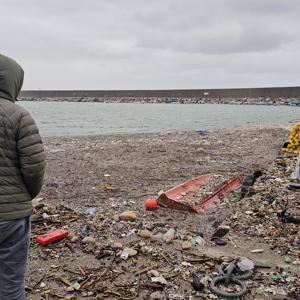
point(151, 204)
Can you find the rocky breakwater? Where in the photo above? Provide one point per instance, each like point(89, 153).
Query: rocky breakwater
point(173, 100)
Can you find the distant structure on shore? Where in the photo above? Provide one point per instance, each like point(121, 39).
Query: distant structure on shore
point(273, 92)
point(267, 96)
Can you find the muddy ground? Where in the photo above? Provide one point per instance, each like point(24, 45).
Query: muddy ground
point(116, 173)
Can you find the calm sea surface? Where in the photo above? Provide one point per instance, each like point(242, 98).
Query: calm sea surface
point(65, 118)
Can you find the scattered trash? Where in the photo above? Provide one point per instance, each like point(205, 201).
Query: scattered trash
point(91, 211)
point(196, 283)
point(202, 131)
point(151, 204)
point(227, 279)
point(159, 279)
point(199, 240)
point(220, 242)
point(169, 235)
point(257, 251)
point(220, 232)
point(52, 236)
point(164, 255)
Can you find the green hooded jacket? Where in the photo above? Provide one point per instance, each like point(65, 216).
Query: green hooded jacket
point(22, 157)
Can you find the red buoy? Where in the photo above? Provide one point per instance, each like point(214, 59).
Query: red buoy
point(151, 204)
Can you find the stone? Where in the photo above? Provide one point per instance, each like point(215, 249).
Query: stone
point(157, 296)
point(89, 240)
point(36, 203)
point(220, 242)
point(169, 235)
point(154, 273)
point(76, 286)
point(186, 245)
point(245, 264)
point(157, 237)
point(74, 239)
point(145, 233)
point(221, 231)
point(117, 245)
point(159, 279)
point(199, 240)
point(128, 252)
point(287, 259)
point(116, 218)
point(70, 289)
point(129, 215)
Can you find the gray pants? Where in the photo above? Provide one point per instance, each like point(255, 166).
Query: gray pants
point(14, 244)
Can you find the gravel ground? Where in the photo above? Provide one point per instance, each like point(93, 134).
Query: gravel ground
point(111, 174)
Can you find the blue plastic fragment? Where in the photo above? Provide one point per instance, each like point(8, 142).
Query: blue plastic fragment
point(202, 131)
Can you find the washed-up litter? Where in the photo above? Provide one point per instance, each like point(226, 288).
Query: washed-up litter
point(52, 236)
point(128, 253)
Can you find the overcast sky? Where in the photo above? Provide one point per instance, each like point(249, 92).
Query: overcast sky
point(153, 44)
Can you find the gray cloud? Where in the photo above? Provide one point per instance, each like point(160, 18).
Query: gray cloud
point(140, 44)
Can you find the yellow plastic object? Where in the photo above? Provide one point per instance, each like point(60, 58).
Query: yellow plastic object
point(294, 142)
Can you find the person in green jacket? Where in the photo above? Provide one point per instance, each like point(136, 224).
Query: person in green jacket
point(22, 166)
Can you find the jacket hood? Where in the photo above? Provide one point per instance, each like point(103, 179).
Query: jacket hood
point(11, 78)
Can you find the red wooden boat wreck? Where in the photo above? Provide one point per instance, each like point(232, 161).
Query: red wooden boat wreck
point(184, 196)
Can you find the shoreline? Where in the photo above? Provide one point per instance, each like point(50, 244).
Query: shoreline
point(226, 130)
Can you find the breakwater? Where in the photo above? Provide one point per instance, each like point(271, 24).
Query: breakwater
point(254, 96)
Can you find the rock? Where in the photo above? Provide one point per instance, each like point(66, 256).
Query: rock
point(245, 264)
point(196, 283)
point(117, 245)
point(287, 259)
point(91, 211)
point(157, 237)
point(221, 231)
point(89, 240)
point(186, 245)
point(74, 239)
point(220, 242)
point(169, 235)
point(199, 240)
point(36, 203)
point(116, 217)
point(157, 296)
point(128, 252)
point(76, 286)
point(42, 285)
point(70, 289)
point(45, 216)
point(154, 273)
point(145, 233)
point(128, 216)
point(159, 279)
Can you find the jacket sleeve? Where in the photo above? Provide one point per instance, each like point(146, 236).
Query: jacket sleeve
point(31, 154)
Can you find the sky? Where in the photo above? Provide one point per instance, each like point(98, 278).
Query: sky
point(153, 44)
